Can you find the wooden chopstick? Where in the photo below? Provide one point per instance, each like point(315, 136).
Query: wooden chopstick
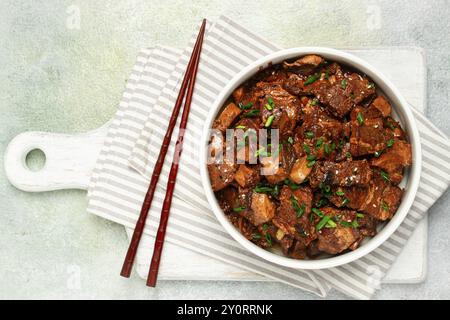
point(140, 224)
point(160, 235)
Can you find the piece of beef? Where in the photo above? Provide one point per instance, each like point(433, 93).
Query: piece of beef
point(351, 197)
point(263, 209)
point(292, 216)
point(320, 132)
point(338, 90)
point(379, 199)
point(248, 230)
point(344, 174)
point(247, 176)
point(313, 249)
point(298, 250)
point(305, 65)
point(300, 170)
point(222, 173)
point(286, 243)
point(394, 128)
point(226, 117)
point(382, 199)
point(367, 137)
point(320, 124)
point(369, 112)
point(277, 167)
point(277, 102)
point(343, 151)
point(382, 105)
point(336, 239)
point(367, 225)
point(246, 135)
point(394, 159)
point(275, 74)
point(228, 199)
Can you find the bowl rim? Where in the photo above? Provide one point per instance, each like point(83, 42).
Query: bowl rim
point(399, 104)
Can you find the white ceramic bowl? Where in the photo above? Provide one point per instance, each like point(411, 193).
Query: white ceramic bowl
point(402, 114)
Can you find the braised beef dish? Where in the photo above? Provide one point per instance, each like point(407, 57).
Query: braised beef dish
point(341, 157)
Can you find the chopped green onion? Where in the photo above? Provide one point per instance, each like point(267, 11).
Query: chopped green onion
point(311, 157)
point(352, 95)
point(314, 102)
point(390, 143)
point(378, 153)
point(384, 206)
point(270, 104)
point(348, 155)
point(360, 118)
point(265, 227)
point(291, 184)
point(265, 189)
point(245, 106)
point(239, 209)
point(345, 201)
point(371, 85)
point(326, 75)
point(311, 163)
point(340, 193)
point(240, 127)
point(251, 113)
point(240, 144)
point(326, 148)
point(360, 215)
point(269, 121)
point(333, 146)
point(269, 239)
point(277, 151)
point(306, 148)
point(344, 84)
point(319, 143)
point(309, 134)
point(261, 152)
point(312, 79)
point(354, 224)
point(385, 175)
point(321, 202)
point(331, 224)
point(322, 222)
point(290, 140)
point(256, 236)
point(318, 212)
point(299, 209)
point(346, 224)
point(276, 190)
point(262, 189)
point(391, 126)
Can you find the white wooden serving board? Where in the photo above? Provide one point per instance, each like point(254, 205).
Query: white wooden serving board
point(70, 160)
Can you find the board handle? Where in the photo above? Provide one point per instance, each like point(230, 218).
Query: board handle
point(69, 160)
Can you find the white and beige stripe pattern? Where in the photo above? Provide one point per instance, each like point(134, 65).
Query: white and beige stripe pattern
point(119, 191)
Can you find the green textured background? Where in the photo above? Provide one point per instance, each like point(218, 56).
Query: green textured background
point(67, 80)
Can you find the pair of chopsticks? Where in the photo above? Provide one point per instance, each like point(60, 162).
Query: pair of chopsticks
point(189, 83)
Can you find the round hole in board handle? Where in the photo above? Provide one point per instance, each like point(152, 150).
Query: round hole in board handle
point(35, 160)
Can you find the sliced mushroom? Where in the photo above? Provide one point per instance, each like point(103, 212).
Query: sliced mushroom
point(263, 208)
point(300, 170)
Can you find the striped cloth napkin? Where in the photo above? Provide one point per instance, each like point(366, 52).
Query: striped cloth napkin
point(117, 190)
